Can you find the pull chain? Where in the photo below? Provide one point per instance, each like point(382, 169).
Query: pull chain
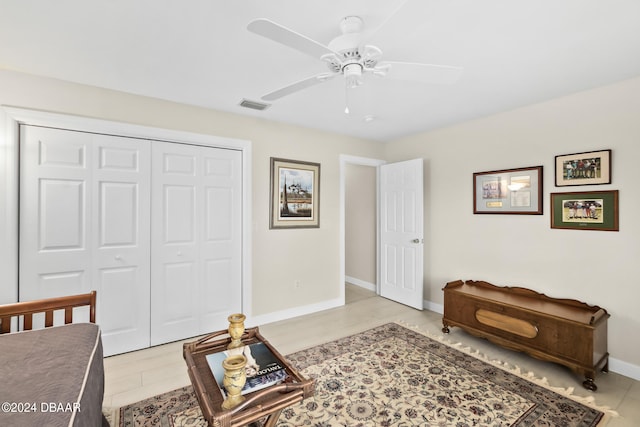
point(346, 99)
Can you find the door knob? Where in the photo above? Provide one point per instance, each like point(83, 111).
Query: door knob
point(415, 241)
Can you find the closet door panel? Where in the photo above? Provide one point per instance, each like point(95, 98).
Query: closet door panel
point(62, 222)
point(55, 248)
point(121, 215)
point(180, 279)
point(180, 216)
point(174, 265)
point(221, 249)
point(196, 240)
point(84, 215)
point(116, 285)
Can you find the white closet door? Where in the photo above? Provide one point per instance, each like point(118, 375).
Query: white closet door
point(84, 215)
point(196, 240)
point(221, 238)
point(121, 210)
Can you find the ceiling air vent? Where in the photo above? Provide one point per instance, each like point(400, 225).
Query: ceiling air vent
point(254, 105)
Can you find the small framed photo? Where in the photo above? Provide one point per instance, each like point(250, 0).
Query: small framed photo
point(509, 191)
point(590, 210)
point(295, 194)
point(589, 168)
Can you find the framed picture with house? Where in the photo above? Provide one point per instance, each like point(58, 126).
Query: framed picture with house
point(295, 194)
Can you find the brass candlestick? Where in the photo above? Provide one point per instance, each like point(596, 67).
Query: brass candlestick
point(234, 380)
point(236, 329)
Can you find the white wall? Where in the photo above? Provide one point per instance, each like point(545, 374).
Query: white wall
point(596, 267)
point(280, 257)
point(360, 225)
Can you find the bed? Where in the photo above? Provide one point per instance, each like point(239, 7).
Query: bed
point(52, 376)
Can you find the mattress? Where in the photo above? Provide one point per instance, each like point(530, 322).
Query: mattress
point(52, 377)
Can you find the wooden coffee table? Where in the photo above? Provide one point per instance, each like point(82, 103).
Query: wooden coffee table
point(263, 406)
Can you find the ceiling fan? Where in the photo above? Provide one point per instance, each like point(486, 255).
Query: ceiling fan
point(348, 55)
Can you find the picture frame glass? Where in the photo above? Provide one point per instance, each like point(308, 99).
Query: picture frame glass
point(295, 187)
point(595, 210)
point(509, 191)
point(588, 168)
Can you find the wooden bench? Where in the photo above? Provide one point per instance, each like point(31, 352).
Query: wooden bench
point(564, 331)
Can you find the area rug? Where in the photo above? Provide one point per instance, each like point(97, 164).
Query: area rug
point(393, 376)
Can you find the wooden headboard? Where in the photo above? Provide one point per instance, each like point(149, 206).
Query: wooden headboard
point(47, 306)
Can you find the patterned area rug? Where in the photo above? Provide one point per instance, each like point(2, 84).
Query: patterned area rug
point(393, 376)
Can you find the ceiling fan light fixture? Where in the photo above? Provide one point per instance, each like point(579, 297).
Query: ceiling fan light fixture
point(333, 62)
point(353, 75)
point(370, 55)
point(351, 24)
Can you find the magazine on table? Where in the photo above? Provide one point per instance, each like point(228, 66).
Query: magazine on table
point(263, 369)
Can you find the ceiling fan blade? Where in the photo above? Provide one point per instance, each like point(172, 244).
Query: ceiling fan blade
point(425, 73)
point(370, 33)
point(302, 84)
point(287, 37)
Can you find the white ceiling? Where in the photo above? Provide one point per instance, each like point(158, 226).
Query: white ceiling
point(199, 52)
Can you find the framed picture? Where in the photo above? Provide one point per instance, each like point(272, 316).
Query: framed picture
point(590, 210)
point(295, 194)
point(590, 168)
point(510, 191)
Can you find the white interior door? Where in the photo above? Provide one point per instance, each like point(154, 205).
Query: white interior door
point(84, 214)
point(401, 232)
point(196, 240)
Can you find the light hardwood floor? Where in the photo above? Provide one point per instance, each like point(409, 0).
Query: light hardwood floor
point(137, 375)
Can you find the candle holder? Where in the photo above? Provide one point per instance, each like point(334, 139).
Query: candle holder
point(236, 329)
point(234, 379)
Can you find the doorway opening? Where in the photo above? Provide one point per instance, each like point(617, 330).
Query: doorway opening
point(359, 227)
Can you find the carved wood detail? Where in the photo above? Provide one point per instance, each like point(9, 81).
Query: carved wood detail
point(564, 331)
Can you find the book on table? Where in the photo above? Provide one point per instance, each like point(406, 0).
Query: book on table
point(263, 369)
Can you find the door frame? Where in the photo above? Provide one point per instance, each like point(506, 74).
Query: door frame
point(346, 159)
point(12, 117)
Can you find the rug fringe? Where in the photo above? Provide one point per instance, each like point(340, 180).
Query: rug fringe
point(514, 369)
point(112, 415)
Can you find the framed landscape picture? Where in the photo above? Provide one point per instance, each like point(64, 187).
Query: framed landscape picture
point(295, 194)
point(509, 191)
point(590, 210)
point(590, 168)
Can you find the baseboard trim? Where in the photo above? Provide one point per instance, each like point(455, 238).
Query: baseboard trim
point(624, 368)
point(361, 283)
point(432, 306)
point(293, 312)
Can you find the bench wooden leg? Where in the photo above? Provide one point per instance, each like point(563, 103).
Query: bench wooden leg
point(445, 327)
point(589, 384)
